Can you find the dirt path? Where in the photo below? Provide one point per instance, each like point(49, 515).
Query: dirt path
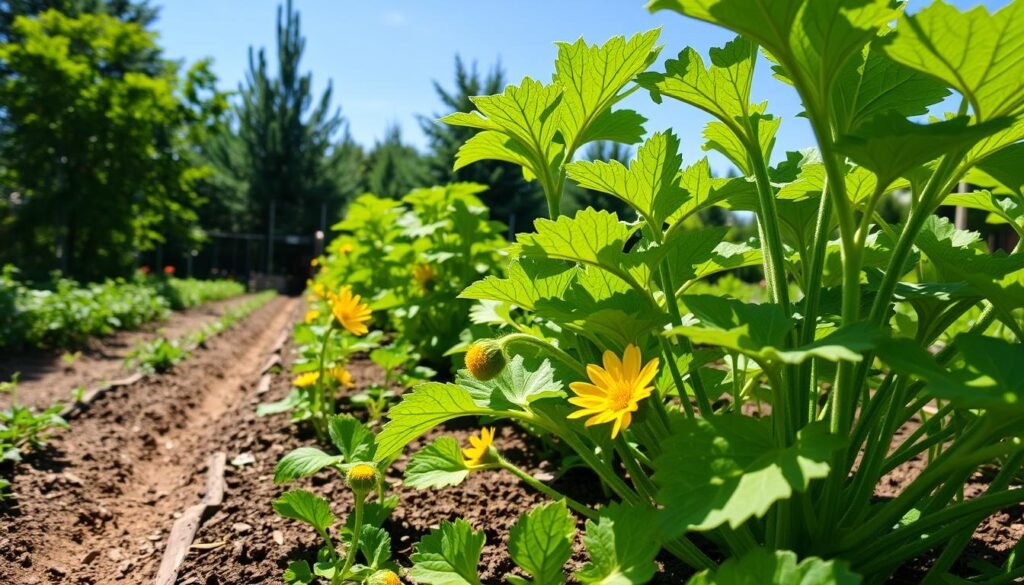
point(45, 377)
point(98, 506)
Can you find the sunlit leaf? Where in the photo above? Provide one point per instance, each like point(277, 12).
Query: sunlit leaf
point(540, 542)
point(448, 555)
point(979, 53)
point(727, 469)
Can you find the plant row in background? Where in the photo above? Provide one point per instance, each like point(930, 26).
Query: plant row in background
point(744, 438)
point(63, 313)
point(163, 353)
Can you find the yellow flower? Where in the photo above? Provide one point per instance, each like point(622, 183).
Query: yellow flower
point(384, 577)
point(320, 290)
point(311, 316)
point(481, 447)
point(346, 248)
point(342, 375)
point(423, 274)
point(350, 311)
point(616, 389)
point(306, 380)
point(314, 262)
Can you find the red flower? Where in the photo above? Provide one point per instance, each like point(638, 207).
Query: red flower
point(144, 269)
point(168, 269)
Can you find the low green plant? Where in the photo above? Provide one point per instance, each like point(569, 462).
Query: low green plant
point(365, 547)
point(162, 354)
point(23, 429)
point(647, 383)
point(157, 356)
point(401, 369)
point(63, 313)
point(409, 259)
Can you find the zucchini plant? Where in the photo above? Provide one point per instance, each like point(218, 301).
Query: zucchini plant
point(866, 323)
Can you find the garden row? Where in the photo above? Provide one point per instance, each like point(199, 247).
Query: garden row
point(751, 442)
point(24, 429)
point(63, 313)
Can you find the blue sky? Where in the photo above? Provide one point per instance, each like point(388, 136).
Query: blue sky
point(382, 56)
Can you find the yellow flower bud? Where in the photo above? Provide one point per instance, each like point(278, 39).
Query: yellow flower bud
point(362, 478)
point(485, 359)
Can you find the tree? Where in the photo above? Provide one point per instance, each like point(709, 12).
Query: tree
point(95, 148)
point(511, 198)
point(393, 168)
point(278, 153)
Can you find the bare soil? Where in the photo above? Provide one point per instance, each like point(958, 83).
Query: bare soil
point(97, 505)
point(45, 377)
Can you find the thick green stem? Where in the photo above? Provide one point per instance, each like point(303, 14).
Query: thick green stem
point(548, 491)
point(956, 546)
point(547, 347)
point(775, 271)
point(357, 529)
point(703, 403)
point(319, 417)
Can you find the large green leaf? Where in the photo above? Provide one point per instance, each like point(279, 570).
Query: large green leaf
point(302, 462)
point(622, 547)
point(687, 249)
point(722, 90)
point(728, 469)
point(961, 256)
point(439, 464)
point(590, 237)
point(306, 507)
point(449, 555)
point(540, 542)
point(427, 406)
point(592, 78)
point(872, 83)
point(375, 545)
point(1004, 209)
point(992, 378)
point(606, 309)
point(527, 116)
point(759, 129)
point(763, 567)
point(978, 53)
point(1002, 168)
point(891, 146)
point(528, 280)
point(813, 37)
point(522, 381)
point(649, 184)
point(701, 190)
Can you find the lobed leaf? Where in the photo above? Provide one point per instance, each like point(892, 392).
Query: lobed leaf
point(448, 555)
point(621, 546)
point(728, 469)
point(978, 53)
point(764, 567)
